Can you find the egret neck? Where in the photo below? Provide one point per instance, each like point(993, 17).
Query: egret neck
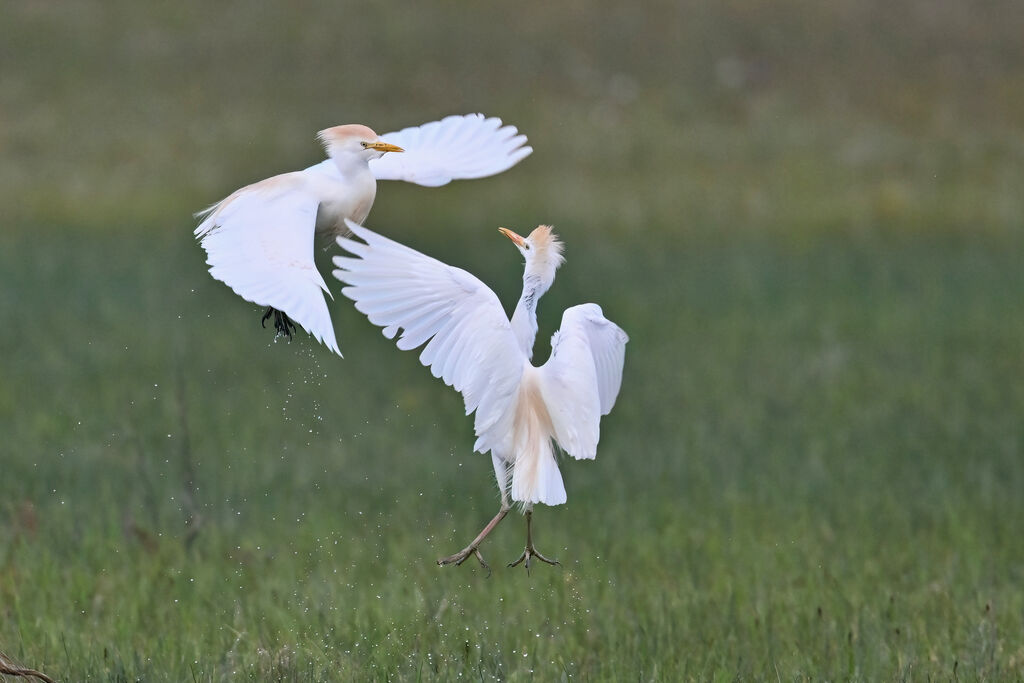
point(524, 318)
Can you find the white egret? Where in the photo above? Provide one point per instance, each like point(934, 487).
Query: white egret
point(260, 239)
point(521, 410)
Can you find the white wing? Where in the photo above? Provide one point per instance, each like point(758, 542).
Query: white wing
point(259, 242)
point(581, 380)
point(471, 345)
point(454, 148)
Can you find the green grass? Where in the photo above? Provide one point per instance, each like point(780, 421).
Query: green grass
point(807, 219)
point(814, 470)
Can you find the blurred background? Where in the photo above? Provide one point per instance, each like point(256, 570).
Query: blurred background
point(807, 216)
point(739, 116)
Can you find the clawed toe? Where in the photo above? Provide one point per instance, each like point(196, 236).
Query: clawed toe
point(474, 547)
point(463, 555)
point(282, 323)
point(528, 554)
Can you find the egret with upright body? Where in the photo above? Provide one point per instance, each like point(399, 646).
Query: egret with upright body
point(521, 410)
point(260, 239)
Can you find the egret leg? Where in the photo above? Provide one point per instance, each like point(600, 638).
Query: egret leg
point(282, 323)
point(474, 547)
point(501, 474)
point(530, 552)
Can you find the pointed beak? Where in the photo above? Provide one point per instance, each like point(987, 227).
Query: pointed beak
point(381, 146)
point(518, 239)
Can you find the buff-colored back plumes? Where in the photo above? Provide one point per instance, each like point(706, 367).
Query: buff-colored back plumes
point(535, 476)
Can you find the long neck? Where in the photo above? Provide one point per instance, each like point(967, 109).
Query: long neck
point(347, 194)
point(524, 318)
point(351, 166)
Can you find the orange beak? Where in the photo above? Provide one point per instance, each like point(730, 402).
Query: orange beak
point(518, 239)
point(382, 146)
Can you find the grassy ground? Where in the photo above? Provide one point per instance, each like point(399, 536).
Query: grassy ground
point(811, 230)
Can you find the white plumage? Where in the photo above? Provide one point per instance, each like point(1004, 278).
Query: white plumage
point(457, 147)
point(521, 410)
point(260, 239)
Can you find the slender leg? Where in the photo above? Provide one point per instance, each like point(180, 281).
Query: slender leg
point(501, 474)
point(530, 551)
point(474, 547)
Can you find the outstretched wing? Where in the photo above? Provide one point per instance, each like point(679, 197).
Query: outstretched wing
point(259, 242)
point(581, 380)
point(454, 148)
point(469, 342)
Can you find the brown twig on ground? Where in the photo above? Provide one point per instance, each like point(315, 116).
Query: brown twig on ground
point(9, 668)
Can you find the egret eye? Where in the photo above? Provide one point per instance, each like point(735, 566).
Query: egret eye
point(365, 144)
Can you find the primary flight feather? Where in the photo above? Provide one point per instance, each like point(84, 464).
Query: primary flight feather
point(522, 410)
point(260, 239)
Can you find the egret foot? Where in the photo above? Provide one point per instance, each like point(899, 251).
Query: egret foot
point(474, 547)
point(528, 555)
point(530, 552)
point(282, 323)
point(463, 555)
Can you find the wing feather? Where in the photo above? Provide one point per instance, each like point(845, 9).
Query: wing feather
point(469, 343)
point(581, 380)
point(454, 148)
point(259, 242)
point(420, 329)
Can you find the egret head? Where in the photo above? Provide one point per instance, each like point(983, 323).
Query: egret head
point(542, 250)
point(354, 140)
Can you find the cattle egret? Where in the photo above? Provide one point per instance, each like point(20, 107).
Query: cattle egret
point(474, 347)
point(260, 239)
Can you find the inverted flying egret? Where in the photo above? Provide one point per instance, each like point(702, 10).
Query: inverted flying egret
point(521, 409)
point(260, 239)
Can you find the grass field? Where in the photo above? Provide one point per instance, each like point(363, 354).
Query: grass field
point(808, 220)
